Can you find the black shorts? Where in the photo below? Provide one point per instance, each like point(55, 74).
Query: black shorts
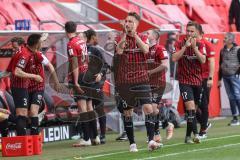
point(190, 93)
point(90, 91)
point(157, 93)
point(134, 95)
point(20, 97)
point(204, 99)
point(36, 98)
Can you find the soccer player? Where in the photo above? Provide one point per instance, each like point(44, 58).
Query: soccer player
point(97, 69)
point(78, 65)
point(157, 60)
point(20, 79)
point(36, 89)
point(207, 74)
point(190, 55)
point(131, 78)
point(17, 43)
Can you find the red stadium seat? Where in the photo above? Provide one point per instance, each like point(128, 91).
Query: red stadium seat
point(119, 1)
point(143, 2)
point(192, 3)
point(153, 18)
point(166, 1)
point(173, 13)
point(40, 8)
point(159, 1)
point(20, 12)
point(207, 28)
point(3, 21)
point(208, 15)
point(130, 7)
point(25, 12)
point(5, 14)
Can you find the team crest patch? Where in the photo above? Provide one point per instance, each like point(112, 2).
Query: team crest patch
point(22, 63)
point(39, 97)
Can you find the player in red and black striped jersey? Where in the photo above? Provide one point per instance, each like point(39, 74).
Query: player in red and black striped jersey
point(190, 54)
point(20, 82)
point(207, 74)
point(36, 89)
point(17, 43)
point(78, 65)
point(131, 78)
point(157, 60)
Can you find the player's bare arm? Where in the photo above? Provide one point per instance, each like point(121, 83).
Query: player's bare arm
point(160, 68)
point(75, 71)
point(54, 75)
point(211, 62)
point(20, 73)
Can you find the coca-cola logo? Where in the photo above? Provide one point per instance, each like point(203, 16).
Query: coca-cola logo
point(14, 146)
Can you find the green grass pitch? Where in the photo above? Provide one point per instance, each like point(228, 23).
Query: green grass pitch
point(223, 143)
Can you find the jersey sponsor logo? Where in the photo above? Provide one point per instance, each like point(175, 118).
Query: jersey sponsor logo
point(212, 53)
point(190, 57)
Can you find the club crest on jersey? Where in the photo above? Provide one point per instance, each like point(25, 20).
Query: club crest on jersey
point(39, 97)
point(22, 63)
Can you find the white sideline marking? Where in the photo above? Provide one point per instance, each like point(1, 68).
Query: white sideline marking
point(142, 149)
point(190, 151)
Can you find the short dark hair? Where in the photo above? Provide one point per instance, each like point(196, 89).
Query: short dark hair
point(33, 39)
point(89, 33)
point(170, 34)
point(192, 23)
point(135, 15)
point(70, 27)
point(19, 40)
point(200, 29)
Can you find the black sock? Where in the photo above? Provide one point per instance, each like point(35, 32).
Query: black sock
point(164, 124)
point(150, 124)
point(204, 118)
point(21, 125)
point(85, 128)
point(4, 128)
point(102, 123)
point(79, 128)
point(93, 124)
point(101, 118)
point(128, 125)
point(156, 127)
point(34, 126)
point(195, 130)
point(199, 116)
point(190, 119)
point(235, 117)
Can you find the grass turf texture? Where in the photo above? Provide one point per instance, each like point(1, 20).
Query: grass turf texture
point(223, 143)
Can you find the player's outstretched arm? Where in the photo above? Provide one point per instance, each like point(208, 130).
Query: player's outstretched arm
point(20, 73)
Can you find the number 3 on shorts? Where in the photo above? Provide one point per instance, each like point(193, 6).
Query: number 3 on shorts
point(25, 102)
point(184, 95)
